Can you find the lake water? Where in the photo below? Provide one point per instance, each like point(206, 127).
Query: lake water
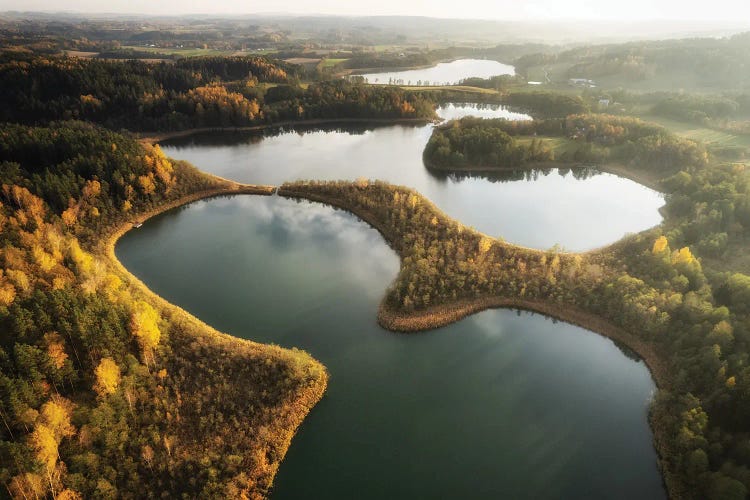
point(449, 73)
point(576, 210)
point(499, 405)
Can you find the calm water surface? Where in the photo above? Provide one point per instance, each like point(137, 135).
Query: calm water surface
point(500, 405)
point(449, 73)
point(552, 207)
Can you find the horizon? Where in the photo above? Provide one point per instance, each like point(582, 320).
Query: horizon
point(639, 11)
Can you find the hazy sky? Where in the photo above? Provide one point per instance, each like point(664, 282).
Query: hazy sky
point(626, 10)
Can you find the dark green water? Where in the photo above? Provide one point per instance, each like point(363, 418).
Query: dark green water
point(578, 212)
point(499, 405)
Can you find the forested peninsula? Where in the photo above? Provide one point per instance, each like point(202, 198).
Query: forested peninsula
point(576, 140)
point(107, 390)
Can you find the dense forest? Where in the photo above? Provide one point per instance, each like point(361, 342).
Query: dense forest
point(545, 104)
point(192, 93)
point(106, 391)
point(694, 329)
point(478, 143)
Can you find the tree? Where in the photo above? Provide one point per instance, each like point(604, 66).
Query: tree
point(660, 245)
point(107, 377)
point(144, 325)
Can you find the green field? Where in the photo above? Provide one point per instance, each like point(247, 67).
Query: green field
point(710, 137)
point(330, 62)
point(560, 145)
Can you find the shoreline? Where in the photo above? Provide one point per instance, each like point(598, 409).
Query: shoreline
point(443, 315)
point(156, 137)
point(394, 69)
point(425, 320)
point(293, 412)
point(617, 169)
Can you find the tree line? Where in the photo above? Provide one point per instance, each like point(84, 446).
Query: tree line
point(194, 92)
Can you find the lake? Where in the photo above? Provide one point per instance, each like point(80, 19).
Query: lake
point(448, 73)
point(578, 210)
point(500, 405)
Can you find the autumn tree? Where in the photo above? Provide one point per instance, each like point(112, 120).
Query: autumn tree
point(107, 377)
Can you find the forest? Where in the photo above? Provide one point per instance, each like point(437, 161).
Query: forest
point(587, 139)
point(100, 382)
point(477, 143)
point(107, 390)
point(192, 93)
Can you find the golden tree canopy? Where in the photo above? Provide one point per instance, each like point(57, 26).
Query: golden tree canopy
point(107, 377)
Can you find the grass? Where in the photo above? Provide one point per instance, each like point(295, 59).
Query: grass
point(707, 136)
point(331, 62)
point(560, 145)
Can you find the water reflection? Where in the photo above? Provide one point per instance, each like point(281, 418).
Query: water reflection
point(516, 175)
point(449, 73)
point(576, 209)
point(504, 404)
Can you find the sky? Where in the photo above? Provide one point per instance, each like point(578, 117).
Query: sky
point(620, 10)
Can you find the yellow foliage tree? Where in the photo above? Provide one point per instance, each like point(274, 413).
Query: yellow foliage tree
point(485, 244)
point(55, 414)
point(55, 349)
point(69, 494)
point(43, 259)
point(27, 485)
point(144, 325)
point(7, 294)
point(660, 245)
point(413, 201)
point(82, 260)
point(91, 189)
point(70, 215)
point(147, 183)
point(683, 256)
point(107, 377)
point(19, 278)
point(45, 446)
